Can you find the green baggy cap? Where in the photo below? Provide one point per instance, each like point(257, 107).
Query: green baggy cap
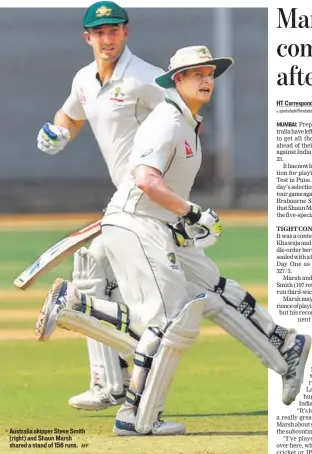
point(102, 13)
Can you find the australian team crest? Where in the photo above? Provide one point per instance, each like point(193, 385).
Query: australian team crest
point(173, 260)
point(203, 52)
point(103, 11)
point(117, 95)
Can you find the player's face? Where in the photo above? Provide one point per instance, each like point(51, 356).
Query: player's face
point(197, 84)
point(107, 41)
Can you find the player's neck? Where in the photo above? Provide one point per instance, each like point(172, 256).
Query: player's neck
point(192, 104)
point(105, 70)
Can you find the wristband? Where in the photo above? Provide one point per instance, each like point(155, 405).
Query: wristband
point(193, 216)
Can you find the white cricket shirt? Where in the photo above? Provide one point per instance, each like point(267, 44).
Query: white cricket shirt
point(167, 141)
point(116, 109)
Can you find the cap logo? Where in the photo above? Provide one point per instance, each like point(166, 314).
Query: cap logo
point(103, 11)
point(203, 52)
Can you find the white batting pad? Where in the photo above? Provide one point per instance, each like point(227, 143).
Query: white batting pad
point(242, 329)
point(97, 371)
point(92, 327)
point(179, 335)
point(235, 294)
point(89, 277)
point(114, 378)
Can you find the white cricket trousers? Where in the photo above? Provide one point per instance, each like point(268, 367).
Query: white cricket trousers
point(198, 269)
point(150, 278)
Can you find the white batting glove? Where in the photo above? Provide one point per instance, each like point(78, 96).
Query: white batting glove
point(52, 139)
point(208, 226)
point(182, 234)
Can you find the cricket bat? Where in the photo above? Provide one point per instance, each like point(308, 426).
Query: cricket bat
point(56, 254)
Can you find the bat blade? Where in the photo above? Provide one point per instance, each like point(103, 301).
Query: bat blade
point(56, 254)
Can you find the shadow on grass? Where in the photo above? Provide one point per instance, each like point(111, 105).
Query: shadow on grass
point(196, 415)
point(209, 415)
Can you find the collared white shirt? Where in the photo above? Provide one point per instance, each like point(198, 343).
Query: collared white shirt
point(167, 141)
point(116, 109)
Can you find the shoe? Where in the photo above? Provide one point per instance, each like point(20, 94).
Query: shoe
point(96, 399)
point(61, 293)
point(160, 427)
point(296, 357)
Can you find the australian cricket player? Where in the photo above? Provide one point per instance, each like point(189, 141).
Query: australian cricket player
point(114, 94)
point(160, 281)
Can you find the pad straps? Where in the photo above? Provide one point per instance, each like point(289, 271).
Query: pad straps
point(121, 323)
point(145, 362)
point(278, 336)
point(246, 307)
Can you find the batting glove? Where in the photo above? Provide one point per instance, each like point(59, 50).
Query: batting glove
point(182, 233)
point(52, 139)
point(208, 226)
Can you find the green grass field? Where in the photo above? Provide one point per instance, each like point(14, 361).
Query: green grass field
point(220, 391)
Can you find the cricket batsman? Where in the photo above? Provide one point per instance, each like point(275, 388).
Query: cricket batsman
point(158, 279)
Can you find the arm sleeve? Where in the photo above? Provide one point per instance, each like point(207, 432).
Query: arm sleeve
point(154, 144)
point(72, 106)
